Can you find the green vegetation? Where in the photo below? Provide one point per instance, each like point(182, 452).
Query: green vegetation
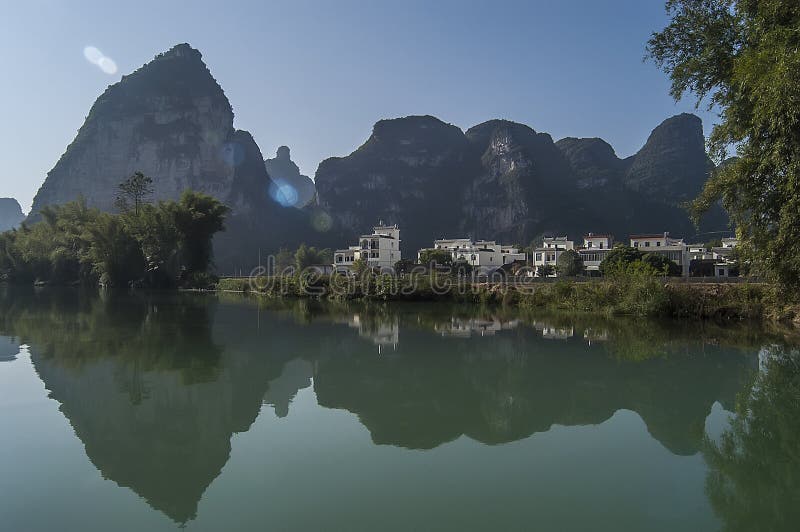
point(624, 258)
point(743, 58)
point(635, 290)
point(545, 270)
point(309, 256)
point(157, 246)
point(136, 189)
point(569, 264)
point(435, 256)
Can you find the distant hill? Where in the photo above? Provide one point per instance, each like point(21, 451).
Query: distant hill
point(504, 180)
point(10, 214)
point(501, 180)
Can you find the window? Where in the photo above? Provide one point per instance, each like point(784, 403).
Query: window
point(601, 245)
point(338, 258)
point(658, 244)
point(374, 255)
point(538, 257)
point(636, 244)
point(589, 244)
point(647, 244)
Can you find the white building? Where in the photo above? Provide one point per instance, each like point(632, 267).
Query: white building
point(663, 244)
point(552, 248)
point(594, 250)
point(380, 250)
point(483, 255)
point(722, 255)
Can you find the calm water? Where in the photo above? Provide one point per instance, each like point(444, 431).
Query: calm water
point(215, 413)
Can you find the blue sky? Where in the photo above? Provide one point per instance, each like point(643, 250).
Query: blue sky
point(316, 75)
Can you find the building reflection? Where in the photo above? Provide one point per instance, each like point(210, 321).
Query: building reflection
point(468, 327)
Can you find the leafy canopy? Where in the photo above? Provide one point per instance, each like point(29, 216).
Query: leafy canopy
point(743, 58)
point(569, 264)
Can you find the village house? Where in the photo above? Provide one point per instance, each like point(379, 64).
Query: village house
point(547, 254)
point(483, 255)
point(594, 250)
point(662, 244)
point(379, 250)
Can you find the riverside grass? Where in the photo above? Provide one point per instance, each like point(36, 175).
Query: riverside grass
point(618, 295)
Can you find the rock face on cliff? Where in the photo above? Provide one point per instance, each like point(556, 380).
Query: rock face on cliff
point(292, 189)
point(10, 214)
point(673, 165)
point(410, 171)
point(593, 161)
point(170, 120)
point(503, 180)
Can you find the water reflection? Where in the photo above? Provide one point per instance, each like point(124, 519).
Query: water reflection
point(9, 349)
point(754, 477)
point(155, 386)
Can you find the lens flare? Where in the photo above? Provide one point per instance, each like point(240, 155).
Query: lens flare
point(321, 221)
point(232, 153)
point(98, 58)
point(107, 65)
point(283, 193)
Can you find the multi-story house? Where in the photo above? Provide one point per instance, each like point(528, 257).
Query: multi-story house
point(594, 250)
point(663, 244)
point(379, 250)
point(547, 254)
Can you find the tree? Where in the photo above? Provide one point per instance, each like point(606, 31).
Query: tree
point(197, 218)
point(114, 254)
point(360, 267)
point(545, 270)
point(403, 266)
point(284, 259)
point(308, 256)
point(619, 258)
point(462, 268)
point(569, 264)
point(134, 190)
point(429, 257)
point(661, 264)
point(743, 57)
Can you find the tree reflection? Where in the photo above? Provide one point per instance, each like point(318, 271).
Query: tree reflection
point(754, 478)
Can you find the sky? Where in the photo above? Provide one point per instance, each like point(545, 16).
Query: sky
point(316, 76)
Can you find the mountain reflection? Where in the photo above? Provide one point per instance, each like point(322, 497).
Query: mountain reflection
point(155, 386)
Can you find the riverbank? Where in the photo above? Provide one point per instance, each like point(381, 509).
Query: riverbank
point(637, 296)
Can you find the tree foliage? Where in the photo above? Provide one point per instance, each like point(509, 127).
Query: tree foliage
point(743, 57)
point(625, 259)
point(661, 264)
point(619, 257)
point(160, 245)
point(134, 191)
point(442, 257)
point(569, 264)
point(308, 256)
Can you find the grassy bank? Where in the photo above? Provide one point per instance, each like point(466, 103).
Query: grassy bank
point(629, 295)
